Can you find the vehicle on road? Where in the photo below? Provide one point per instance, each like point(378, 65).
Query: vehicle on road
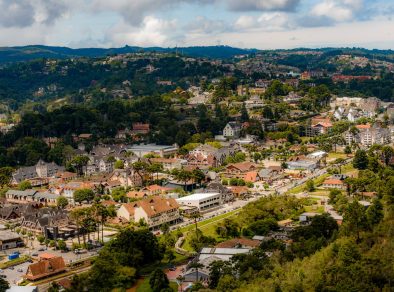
point(20, 270)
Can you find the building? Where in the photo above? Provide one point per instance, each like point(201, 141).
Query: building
point(40, 170)
point(154, 211)
point(206, 156)
point(232, 130)
point(9, 239)
point(161, 150)
point(241, 168)
point(169, 163)
point(202, 201)
point(45, 268)
point(31, 196)
point(303, 164)
point(333, 183)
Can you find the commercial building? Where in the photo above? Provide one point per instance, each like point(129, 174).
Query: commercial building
point(9, 239)
point(202, 201)
point(161, 150)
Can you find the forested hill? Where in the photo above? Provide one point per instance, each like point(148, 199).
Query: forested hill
point(26, 53)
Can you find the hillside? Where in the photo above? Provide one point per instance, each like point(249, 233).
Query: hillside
point(26, 53)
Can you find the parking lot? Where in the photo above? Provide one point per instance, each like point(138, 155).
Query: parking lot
point(15, 273)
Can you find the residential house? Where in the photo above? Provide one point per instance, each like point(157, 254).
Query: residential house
point(40, 170)
point(156, 211)
point(169, 163)
point(141, 128)
point(232, 130)
point(241, 168)
point(206, 156)
point(332, 183)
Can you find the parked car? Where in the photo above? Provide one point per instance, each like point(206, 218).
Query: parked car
point(11, 268)
point(42, 249)
point(20, 270)
point(3, 276)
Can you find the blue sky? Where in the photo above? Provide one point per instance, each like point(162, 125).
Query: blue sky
point(263, 24)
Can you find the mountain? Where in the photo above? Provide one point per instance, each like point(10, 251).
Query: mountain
point(26, 53)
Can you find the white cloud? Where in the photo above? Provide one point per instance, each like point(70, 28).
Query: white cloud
point(262, 5)
point(152, 32)
point(245, 22)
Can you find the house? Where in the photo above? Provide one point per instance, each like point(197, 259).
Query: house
point(307, 216)
point(154, 190)
point(205, 156)
point(126, 211)
point(40, 170)
point(9, 239)
point(322, 127)
point(252, 176)
point(32, 196)
point(45, 268)
point(333, 183)
point(169, 163)
point(241, 168)
point(367, 135)
point(239, 191)
point(232, 130)
point(254, 102)
point(140, 128)
point(154, 211)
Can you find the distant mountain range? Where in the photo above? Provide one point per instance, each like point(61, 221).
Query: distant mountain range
point(26, 53)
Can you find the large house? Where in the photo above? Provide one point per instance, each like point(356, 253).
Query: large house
point(206, 156)
point(154, 211)
point(232, 130)
point(40, 170)
point(241, 168)
point(31, 196)
point(367, 135)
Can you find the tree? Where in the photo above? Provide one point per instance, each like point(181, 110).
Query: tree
point(158, 280)
point(119, 164)
point(360, 160)
point(348, 149)
point(79, 162)
point(374, 213)
point(82, 195)
point(355, 219)
point(197, 175)
point(387, 153)
point(4, 286)
point(227, 283)
point(244, 113)
point(61, 244)
point(5, 176)
point(61, 202)
point(24, 185)
point(310, 185)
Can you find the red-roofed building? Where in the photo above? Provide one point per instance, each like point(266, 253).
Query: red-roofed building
point(252, 176)
point(334, 184)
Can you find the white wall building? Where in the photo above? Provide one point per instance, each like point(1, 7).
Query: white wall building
point(202, 201)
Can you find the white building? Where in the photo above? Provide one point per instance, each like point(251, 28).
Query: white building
point(232, 130)
point(202, 201)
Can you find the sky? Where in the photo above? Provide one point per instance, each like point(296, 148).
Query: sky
point(261, 24)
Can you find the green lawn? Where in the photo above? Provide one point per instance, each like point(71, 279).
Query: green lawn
point(318, 181)
point(207, 229)
point(335, 155)
point(314, 208)
point(208, 221)
point(145, 287)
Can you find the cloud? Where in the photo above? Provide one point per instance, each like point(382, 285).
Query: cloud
point(152, 32)
point(202, 24)
point(262, 5)
point(134, 11)
point(267, 21)
point(17, 13)
point(25, 13)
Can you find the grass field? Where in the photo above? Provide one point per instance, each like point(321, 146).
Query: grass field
point(15, 262)
point(208, 229)
point(318, 181)
point(208, 221)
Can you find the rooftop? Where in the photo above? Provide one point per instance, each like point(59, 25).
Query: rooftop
point(198, 196)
